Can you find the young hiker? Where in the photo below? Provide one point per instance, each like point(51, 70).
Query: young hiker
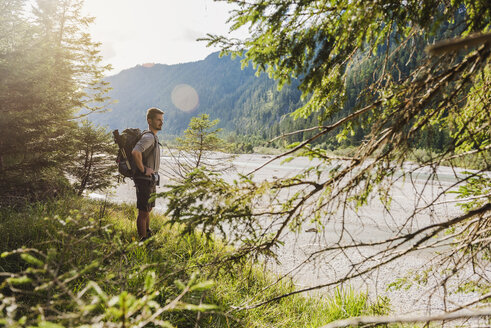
point(146, 155)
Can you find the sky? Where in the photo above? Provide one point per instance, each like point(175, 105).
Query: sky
point(155, 31)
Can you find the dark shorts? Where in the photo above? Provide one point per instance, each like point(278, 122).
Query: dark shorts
point(144, 189)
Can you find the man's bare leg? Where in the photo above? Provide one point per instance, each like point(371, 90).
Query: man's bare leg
point(143, 223)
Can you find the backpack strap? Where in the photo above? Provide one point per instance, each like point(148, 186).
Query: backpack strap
point(155, 141)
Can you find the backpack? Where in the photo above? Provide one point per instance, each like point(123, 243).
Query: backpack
point(126, 141)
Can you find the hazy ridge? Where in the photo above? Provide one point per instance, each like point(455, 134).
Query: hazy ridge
point(243, 102)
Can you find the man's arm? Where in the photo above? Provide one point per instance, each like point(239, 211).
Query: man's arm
point(137, 156)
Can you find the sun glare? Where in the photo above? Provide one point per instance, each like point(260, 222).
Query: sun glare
point(185, 97)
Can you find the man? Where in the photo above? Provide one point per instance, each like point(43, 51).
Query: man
point(147, 159)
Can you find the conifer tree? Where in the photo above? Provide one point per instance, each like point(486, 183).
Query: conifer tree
point(94, 167)
point(201, 147)
point(52, 74)
point(200, 138)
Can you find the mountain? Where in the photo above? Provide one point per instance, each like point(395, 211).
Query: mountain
point(244, 102)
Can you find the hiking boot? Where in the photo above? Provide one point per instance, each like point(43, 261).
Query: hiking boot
point(149, 234)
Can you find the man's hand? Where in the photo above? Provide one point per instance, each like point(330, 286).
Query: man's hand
point(137, 156)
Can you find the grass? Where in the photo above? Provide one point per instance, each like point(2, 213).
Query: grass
point(91, 243)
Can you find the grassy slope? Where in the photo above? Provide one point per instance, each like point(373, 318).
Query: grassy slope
point(84, 232)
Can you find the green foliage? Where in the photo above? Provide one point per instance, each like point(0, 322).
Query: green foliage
point(201, 135)
point(79, 266)
point(200, 139)
point(397, 103)
point(242, 148)
point(206, 201)
point(476, 192)
point(346, 303)
point(47, 61)
point(94, 165)
point(368, 82)
point(256, 285)
point(243, 144)
point(82, 271)
point(331, 55)
point(467, 125)
point(201, 146)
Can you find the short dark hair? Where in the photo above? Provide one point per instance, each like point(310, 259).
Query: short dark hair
point(152, 112)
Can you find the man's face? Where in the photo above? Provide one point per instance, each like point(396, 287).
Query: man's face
point(156, 122)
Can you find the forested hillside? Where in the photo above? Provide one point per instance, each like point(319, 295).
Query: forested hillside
point(252, 105)
point(243, 102)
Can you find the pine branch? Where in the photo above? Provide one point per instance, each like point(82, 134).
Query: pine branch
point(449, 46)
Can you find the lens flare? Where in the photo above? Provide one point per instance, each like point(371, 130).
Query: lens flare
point(185, 97)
